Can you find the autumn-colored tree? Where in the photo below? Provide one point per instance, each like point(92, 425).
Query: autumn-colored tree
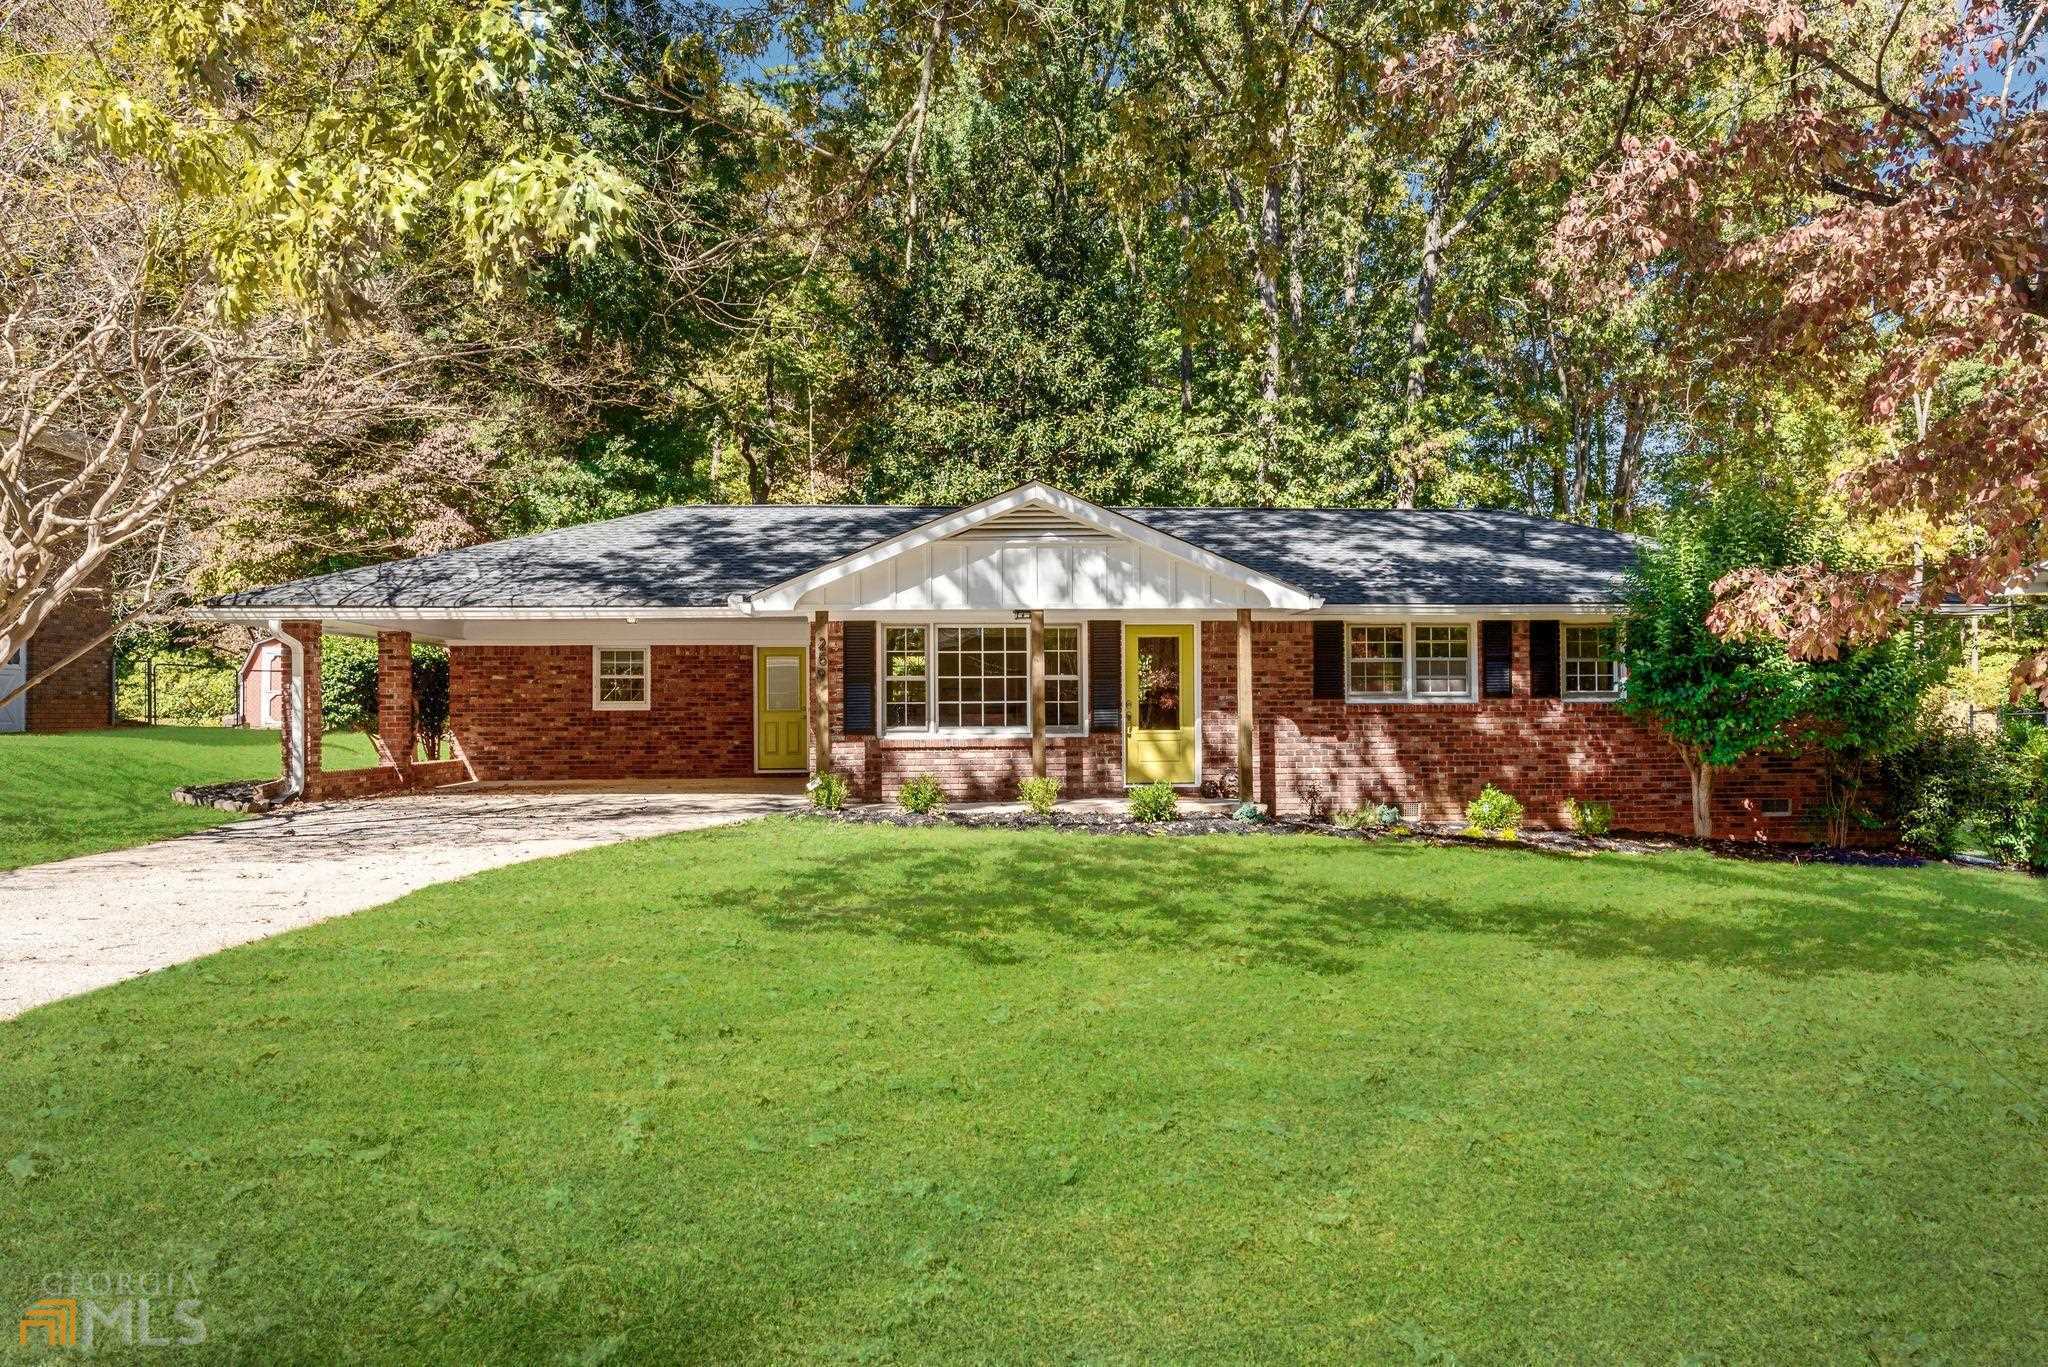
point(1855, 197)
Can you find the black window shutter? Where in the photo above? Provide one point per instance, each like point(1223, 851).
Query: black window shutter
point(857, 676)
point(1105, 676)
point(1545, 663)
point(1328, 678)
point(1497, 656)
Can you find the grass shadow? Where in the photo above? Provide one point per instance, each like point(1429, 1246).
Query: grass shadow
point(1317, 905)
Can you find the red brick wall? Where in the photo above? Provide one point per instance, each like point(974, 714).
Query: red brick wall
point(523, 712)
point(395, 742)
point(78, 697)
point(1313, 751)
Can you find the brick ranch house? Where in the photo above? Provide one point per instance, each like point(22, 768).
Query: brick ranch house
point(80, 695)
point(1315, 658)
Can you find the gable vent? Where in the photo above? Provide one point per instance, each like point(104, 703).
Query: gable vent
point(1024, 524)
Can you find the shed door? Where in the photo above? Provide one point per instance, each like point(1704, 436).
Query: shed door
point(270, 686)
point(14, 714)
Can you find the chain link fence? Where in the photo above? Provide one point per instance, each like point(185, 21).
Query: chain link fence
point(175, 689)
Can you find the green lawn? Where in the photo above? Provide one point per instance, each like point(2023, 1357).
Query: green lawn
point(795, 1091)
point(86, 791)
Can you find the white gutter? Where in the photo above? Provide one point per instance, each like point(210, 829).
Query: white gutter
point(295, 712)
point(358, 613)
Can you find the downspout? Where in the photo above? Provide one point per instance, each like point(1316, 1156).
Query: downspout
point(295, 713)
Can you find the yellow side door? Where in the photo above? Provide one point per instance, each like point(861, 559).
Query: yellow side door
point(779, 712)
point(1159, 704)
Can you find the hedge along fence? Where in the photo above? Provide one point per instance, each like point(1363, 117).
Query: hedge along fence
point(189, 687)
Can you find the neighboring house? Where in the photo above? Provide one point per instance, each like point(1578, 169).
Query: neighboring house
point(78, 697)
point(1314, 658)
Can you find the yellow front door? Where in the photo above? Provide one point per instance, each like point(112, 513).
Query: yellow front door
point(1159, 704)
point(779, 708)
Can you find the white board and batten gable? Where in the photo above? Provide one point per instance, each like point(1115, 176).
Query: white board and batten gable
point(1033, 547)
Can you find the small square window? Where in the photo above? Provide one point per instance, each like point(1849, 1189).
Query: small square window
point(1776, 806)
point(619, 679)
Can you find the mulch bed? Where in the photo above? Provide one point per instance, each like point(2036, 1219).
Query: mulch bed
point(1544, 842)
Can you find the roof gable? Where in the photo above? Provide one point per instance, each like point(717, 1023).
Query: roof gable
point(1032, 547)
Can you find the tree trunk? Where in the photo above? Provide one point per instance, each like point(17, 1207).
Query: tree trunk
point(1186, 320)
point(1297, 292)
point(1270, 253)
point(1702, 775)
point(1847, 782)
point(1407, 473)
point(1629, 462)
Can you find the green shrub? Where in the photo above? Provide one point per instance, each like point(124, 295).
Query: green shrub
point(1494, 813)
point(921, 795)
point(1154, 802)
point(828, 792)
point(1383, 817)
point(1039, 794)
point(348, 684)
point(1589, 818)
point(1953, 789)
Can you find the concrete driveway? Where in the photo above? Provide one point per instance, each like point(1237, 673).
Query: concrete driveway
point(82, 923)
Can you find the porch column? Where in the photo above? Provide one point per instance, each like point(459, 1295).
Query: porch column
point(1038, 693)
point(1245, 791)
point(821, 692)
point(395, 735)
point(300, 734)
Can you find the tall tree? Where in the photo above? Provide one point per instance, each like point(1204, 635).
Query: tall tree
point(178, 183)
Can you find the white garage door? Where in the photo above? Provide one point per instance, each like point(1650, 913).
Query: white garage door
point(14, 714)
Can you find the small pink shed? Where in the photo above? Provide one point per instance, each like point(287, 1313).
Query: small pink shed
point(262, 684)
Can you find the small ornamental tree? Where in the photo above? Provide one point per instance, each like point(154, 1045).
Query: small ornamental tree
point(1717, 700)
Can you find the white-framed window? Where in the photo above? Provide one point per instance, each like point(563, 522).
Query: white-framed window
point(1443, 661)
point(1062, 678)
point(1408, 661)
point(906, 679)
point(984, 678)
point(619, 678)
point(1379, 660)
point(940, 679)
point(1592, 667)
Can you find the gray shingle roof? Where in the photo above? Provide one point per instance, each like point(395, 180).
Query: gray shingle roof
point(696, 555)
